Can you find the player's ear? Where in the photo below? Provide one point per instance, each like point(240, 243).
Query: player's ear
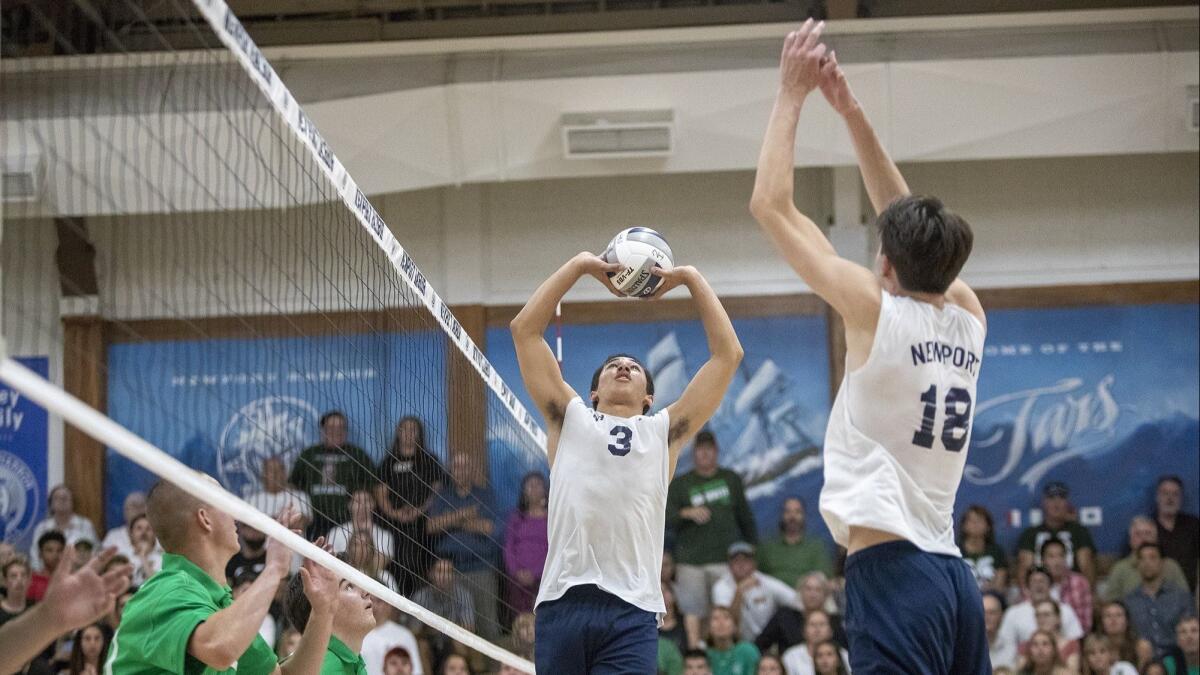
point(647, 403)
point(594, 398)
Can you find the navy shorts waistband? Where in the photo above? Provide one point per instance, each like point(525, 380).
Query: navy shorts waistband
point(889, 549)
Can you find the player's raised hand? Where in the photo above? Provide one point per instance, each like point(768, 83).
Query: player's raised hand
point(279, 557)
point(600, 268)
point(681, 275)
point(836, 88)
point(321, 584)
point(801, 60)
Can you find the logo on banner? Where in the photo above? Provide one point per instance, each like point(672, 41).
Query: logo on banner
point(275, 426)
point(18, 497)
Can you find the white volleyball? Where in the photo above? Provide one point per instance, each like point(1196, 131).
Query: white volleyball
point(641, 251)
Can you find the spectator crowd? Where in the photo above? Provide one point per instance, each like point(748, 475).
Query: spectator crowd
point(738, 601)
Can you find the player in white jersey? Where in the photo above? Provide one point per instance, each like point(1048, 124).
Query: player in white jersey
point(899, 429)
point(610, 465)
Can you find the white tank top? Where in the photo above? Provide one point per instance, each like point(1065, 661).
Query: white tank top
point(901, 424)
point(608, 506)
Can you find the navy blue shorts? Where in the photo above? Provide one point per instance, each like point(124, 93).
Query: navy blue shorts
point(592, 632)
point(908, 611)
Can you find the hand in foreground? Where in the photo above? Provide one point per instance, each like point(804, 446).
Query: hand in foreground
point(279, 557)
point(835, 87)
point(597, 267)
point(76, 599)
point(679, 276)
point(320, 583)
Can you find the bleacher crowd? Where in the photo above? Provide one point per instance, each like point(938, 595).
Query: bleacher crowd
point(739, 602)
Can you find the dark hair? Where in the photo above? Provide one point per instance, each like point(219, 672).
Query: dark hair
point(841, 669)
point(1037, 569)
point(1146, 545)
point(1169, 478)
point(1127, 650)
point(394, 450)
point(645, 371)
point(999, 597)
point(989, 537)
point(522, 503)
point(53, 490)
point(925, 242)
point(49, 536)
point(75, 663)
point(296, 608)
point(444, 665)
point(133, 521)
point(694, 653)
point(329, 415)
point(705, 437)
point(772, 657)
point(1052, 541)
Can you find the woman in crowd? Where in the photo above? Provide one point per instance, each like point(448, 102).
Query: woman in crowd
point(525, 543)
point(147, 554)
point(672, 626)
point(1049, 619)
point(362, 555)
point(398, 662)
point(1099, 658)
point(1042, 657)
point(88, 651)
point(979, 549)
point(1115, 625)
point(828, 659)
point(726, 654)
point(409, 475)
point(817, 629)
point(456, 664)
point(64, 519)
point(769, 664)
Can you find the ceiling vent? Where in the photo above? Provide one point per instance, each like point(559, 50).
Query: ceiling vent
point(23, 177)
point(618, 134)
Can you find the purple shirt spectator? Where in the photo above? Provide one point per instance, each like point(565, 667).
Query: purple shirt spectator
point(525, 543)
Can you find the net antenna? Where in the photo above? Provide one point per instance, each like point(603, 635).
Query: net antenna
point(246, 286)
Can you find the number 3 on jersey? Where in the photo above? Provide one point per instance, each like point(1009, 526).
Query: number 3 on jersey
point(956, 419)
point(622, 440)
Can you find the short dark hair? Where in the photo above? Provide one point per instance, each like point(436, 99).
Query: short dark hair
point(296, 607)
point(998, 597)
point(330, 415)
point(1052, 541)
point(925, 242)
point(1169, 478)
point(1146, 545)
point(694, 653)
point(706, 437)
point(49, 536)
point(645, 371)
point(1037, 569)
point(19, 561)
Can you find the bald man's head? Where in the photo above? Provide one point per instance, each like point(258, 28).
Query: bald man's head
point(177, 520)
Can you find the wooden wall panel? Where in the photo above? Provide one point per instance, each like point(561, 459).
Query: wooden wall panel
point(85, 351)
point(467, 409)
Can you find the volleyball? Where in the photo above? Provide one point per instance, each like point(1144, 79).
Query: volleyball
point(640, 250)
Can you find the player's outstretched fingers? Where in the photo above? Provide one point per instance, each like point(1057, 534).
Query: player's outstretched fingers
point(813, 36)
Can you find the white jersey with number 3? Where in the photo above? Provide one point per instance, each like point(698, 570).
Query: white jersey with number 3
point(608, 506)
point(900, 426)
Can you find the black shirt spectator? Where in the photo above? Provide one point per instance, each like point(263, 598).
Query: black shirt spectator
point(251, 558)
point(786, 630)
point(1178, 533)
point(1057, 523)
point(409, 476)
point(330, 472)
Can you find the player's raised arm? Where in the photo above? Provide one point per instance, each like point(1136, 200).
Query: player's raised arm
point(539, 369)
point(851, 289)
point(703, 394)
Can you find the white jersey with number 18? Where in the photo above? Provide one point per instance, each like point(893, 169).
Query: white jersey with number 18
point(899, 429)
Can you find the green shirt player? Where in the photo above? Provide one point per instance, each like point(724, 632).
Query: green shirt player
point(352, 620)
point(184, 619)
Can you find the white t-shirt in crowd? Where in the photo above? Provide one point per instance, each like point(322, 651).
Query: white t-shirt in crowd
point(77, 528)
point(797, 660)
point(267, 630)
point(382, 639)
point(759, 603)
point(1122, 668)
point(1019, 623)
point(119, 537)
point(271, 503)
point(339, 539)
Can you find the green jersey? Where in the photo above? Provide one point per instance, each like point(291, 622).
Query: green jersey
point(789, 562)
point(740, 659)
point(339, 660)
point(159, 621)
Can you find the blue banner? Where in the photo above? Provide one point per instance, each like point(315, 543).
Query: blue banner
point(772, 422)
point(1104, 399)
point(222, 406)
point(24, 428)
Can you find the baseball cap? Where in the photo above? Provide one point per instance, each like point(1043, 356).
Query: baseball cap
point(1056, 488)
point(740, 548)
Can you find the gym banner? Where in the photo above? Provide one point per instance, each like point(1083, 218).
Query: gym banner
point(24, 428)
point(1104, 399)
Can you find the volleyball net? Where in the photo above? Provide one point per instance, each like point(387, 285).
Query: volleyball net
point(179, 238)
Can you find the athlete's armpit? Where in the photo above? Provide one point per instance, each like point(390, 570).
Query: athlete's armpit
point(555, 413)
point(679, 429)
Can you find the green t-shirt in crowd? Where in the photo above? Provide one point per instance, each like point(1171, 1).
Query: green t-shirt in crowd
point(1073, 536)
point(731, 520)
point(985, 564)
point(1174, 668)
point(159, 621)
point(741, 659)
point(339, 660)
point(670, 661)
point(329, 476)
point(790, 562)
